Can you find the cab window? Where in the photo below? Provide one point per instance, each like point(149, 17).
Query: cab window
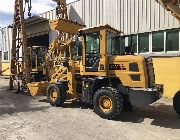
point(93, 43)
point(112, 43)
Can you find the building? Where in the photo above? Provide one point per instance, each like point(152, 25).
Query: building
point(0, 51)
point(146, 22)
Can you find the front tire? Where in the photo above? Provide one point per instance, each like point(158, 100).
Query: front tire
point(176, 102)
point(108, 103)
point(55, 95)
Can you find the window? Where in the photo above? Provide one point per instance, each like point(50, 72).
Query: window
point(131, 40)
point(77, 51)
point(5, 56)
point(33, 57)
point(41, 52)
point(143, 41)
point(122, 45)
point(38, 56)
point(109, 36)
point(172, 40)
point(116, 47)
point(158, 41)
point(112, 44)
point(92, 43)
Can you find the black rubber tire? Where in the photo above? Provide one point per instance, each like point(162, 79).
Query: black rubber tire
point(176, 102)
point(117, 103)
point(61, 96)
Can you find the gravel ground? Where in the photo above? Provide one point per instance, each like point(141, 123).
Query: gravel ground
point(26, 117)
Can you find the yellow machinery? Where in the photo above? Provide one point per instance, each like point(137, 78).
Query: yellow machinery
point(101, 74)
point(86, 64)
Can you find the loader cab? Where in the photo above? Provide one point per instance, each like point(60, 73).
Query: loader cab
point(103, 56)
point(97, 46)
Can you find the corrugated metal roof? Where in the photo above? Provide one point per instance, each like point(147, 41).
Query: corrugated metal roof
point(36, 26)
point(102, 26)
point(34, 20)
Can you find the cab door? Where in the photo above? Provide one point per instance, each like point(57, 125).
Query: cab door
point(92, 51)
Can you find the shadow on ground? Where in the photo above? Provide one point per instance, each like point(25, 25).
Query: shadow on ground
point(11, 103)
point(161, 115)
point(76, 104)
point(12, 110)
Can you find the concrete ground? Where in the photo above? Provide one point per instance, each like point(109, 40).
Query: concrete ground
point(26, 117)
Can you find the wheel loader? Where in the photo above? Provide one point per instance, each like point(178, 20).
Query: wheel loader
point(101, 74)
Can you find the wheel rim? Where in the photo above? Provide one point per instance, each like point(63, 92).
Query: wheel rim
point(105, 103)
point(53, 95)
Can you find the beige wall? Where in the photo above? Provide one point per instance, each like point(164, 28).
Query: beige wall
point(6, 65)
point(167, 71)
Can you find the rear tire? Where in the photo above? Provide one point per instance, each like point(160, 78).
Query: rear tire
point(55, 95)
point(176, 102)
point(108, 103)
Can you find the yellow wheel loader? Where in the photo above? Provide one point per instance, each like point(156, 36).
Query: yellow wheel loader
point(103, 75)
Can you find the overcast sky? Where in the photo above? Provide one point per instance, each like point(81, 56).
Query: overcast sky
point(38, 7)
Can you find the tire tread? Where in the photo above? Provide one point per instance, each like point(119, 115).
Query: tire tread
point(61, 97)
point(118, 103)
point(176, 102)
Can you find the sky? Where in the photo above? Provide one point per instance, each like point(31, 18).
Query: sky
point(38, 7)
